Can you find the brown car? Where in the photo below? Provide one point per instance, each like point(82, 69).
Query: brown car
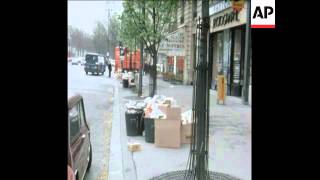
point(79, 146)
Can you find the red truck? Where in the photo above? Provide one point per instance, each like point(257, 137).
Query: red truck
point(127, 63)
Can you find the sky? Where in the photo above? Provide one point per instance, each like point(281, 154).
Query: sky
point(85, 14)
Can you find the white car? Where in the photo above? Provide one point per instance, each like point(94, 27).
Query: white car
point(82, 61)
point(77, 61)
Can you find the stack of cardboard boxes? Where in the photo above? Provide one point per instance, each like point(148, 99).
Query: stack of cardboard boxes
point(170, 130)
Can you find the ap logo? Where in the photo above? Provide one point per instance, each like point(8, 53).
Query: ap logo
point(263, 14)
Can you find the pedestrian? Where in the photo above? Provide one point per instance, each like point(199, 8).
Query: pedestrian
point(109, 68)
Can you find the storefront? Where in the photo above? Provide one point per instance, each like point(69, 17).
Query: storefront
point(226, 43)
point(173, 48)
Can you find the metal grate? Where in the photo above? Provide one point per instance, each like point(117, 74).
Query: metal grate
point(179, 175)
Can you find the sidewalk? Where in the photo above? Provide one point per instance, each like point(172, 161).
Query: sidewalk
point(230, 137)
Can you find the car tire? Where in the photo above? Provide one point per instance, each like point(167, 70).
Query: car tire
point(90, 159)
point(86, 72)
point(102, 73)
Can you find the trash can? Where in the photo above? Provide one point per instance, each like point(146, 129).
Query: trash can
point(149, 130)
point(134, 123)
point(125, 83)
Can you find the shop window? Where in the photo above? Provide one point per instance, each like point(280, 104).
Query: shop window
point(194, 8)
point(217, 56)
point(237, 56)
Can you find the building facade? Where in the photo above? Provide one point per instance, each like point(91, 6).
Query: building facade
point(226, 43)
point(226, 46)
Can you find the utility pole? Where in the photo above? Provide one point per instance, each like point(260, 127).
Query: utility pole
point(141, 59)
point(108, 37)
point(247, 58)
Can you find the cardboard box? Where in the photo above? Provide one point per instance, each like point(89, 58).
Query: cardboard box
point(132, 147)
point(164, 105)
point(172, 113)
point(186, 133)
point(167, 102)
point(167, 133)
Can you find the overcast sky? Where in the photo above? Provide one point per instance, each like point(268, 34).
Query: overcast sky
point(85, 14)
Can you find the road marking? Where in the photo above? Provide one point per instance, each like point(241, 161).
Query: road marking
point(107, 124)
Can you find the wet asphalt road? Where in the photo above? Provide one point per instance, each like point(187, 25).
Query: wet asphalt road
point(97, 92)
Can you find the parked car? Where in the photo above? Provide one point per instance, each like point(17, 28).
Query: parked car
point(94, 63)
point(82, 61)
point(76, 61)
point(71, 175)
point(79, 146)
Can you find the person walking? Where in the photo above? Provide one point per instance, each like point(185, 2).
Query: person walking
point(109, 68)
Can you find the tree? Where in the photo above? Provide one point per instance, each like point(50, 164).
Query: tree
point(128, 31)
point(79, 40)
point(113, 35)
point(100, 38)
point(151, 28)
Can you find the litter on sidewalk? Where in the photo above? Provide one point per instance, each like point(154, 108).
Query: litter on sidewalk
point(133, 147)
point(167, 126)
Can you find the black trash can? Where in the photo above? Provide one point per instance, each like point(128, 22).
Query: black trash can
point(134, 123)
point(125, 83)
point(149, 130)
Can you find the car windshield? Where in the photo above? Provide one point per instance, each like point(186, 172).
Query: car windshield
point(91, 59)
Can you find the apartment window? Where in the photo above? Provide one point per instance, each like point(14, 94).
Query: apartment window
point(194, 8)
point(182, 4)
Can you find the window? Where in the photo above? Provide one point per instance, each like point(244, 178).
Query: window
point(237, 56)
point(194, 8)
point(74, 122)
point(182, 3)
point(81, 113)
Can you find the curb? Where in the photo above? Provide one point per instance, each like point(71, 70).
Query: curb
point(115, 156)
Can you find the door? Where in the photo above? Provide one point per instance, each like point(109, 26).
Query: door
point(77, 141)
point(85, 135)
point(236, 65)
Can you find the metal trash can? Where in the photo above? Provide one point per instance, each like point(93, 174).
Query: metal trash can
point(149, 130)
point(125, 83)
point(134, 123)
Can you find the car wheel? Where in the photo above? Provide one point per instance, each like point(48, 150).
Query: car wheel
point(102, 73)
point(86, 72)
point(90, 159)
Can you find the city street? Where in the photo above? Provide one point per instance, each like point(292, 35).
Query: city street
point(97, 92)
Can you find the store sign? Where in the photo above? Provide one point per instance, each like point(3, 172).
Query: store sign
point(173, 45)
point(263, 14)
point(237, 5)
point(219, 7)
point(225, 19)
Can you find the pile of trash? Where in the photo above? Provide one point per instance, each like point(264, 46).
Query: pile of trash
point(151, 107)
point(153, 104)
point(186, 117)
point(135, 105)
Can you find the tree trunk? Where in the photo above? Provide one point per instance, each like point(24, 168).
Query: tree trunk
point(130, 63)
point(199, 148)
point(141, 61)
point(153, 69)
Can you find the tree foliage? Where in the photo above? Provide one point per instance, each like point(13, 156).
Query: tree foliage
point(100, 38)
point(113, 35)
point(151, 27)
point(79, 40)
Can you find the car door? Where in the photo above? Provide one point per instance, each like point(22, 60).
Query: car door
point(76, 141)
point(85, 134)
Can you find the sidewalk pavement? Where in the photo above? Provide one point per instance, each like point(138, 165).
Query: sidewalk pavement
point(230, 137)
